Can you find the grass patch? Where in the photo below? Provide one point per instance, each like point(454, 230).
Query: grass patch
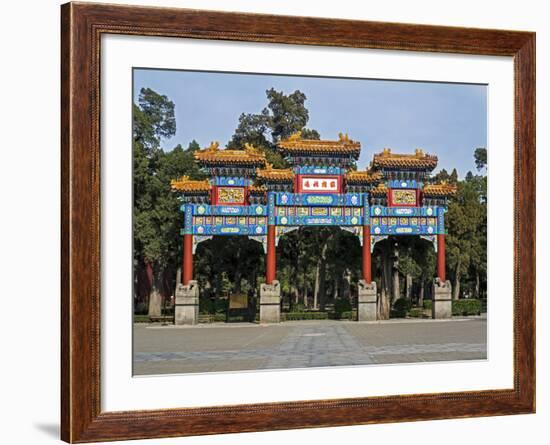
point(211, 318)
point(140, 318)
point(289, 316)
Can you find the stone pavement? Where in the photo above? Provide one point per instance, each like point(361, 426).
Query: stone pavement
point(303, 344)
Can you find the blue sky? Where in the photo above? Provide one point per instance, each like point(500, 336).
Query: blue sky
point(449, 120)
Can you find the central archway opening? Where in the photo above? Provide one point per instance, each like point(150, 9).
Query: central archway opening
point(318, 268)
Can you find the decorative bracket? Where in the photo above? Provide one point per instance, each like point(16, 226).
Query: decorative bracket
point(355, 230)
point(431, 239)
point(376, 239)
point(199, 239)
point(280, 231)
point(262, 239)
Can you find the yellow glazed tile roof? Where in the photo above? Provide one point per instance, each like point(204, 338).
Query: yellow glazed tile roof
point(184, 184)
point(296, 145)
point(363, 177)
point(269, 173)
point(213, 155)
point(379, 190)
point(439, 190)
point(418, 160)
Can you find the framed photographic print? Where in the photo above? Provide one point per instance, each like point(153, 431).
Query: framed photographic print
point(275, 222)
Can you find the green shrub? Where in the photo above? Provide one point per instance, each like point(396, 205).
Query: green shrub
point(416, 312)
point(341, 306)
point(213, 305)
point(140, 318)
point(484, 306)
point(348, 315)
point(211, 318)
point(298, 307)
point(401, 307)
point(428, 304)
point(468, 306)
point(206, 306)
point(221, 305)
point(141, 308)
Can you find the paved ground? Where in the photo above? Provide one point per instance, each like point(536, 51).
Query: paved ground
point(302, 344)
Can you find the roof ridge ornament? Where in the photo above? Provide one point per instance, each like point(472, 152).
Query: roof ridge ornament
point(251, 149)
point(296, 136)
point(343, 137)
point(419, 153)
point(214, 146)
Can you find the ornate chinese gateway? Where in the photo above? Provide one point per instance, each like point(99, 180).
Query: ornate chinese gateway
point(247, 196)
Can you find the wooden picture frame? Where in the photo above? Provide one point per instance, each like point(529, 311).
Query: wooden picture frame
point(82, 26)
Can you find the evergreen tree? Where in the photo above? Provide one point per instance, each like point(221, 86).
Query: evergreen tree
point(153, 203)
point(283, 116)
point(480, 156)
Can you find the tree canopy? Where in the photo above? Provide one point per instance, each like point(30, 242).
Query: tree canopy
point(282, 116)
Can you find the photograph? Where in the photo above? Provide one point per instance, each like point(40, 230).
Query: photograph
point(277, 222)
point(290, 221)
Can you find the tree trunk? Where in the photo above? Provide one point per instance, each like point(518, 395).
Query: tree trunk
point(316, 286)
point(346, 285)
point(155, 303)
point(322, 285)
point(178, 276)
point(142, 287)
point(155, 296)
point(395, 285)
point(320, 282)
point(252, 276)
point(408, 288)
point(304, 290)
point(217, 285)
point(296, 293)
point(383, 305)
point(421, 294)
point(456, 286)
point(395, 276)
point(294, 282)
point(477, 285)
point(238, 272)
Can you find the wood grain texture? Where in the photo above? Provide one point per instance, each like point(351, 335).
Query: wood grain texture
point(81, 28)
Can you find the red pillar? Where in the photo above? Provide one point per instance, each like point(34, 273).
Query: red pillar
point(270, 266)
point(367, 266)
point(187, 265)
point(441, 257)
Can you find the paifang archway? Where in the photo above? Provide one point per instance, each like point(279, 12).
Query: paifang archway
point(247, 196)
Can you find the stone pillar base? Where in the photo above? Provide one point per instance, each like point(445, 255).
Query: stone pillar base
point(270, 302)
point(442, 303)
point(186, 310)
point(366, 301)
